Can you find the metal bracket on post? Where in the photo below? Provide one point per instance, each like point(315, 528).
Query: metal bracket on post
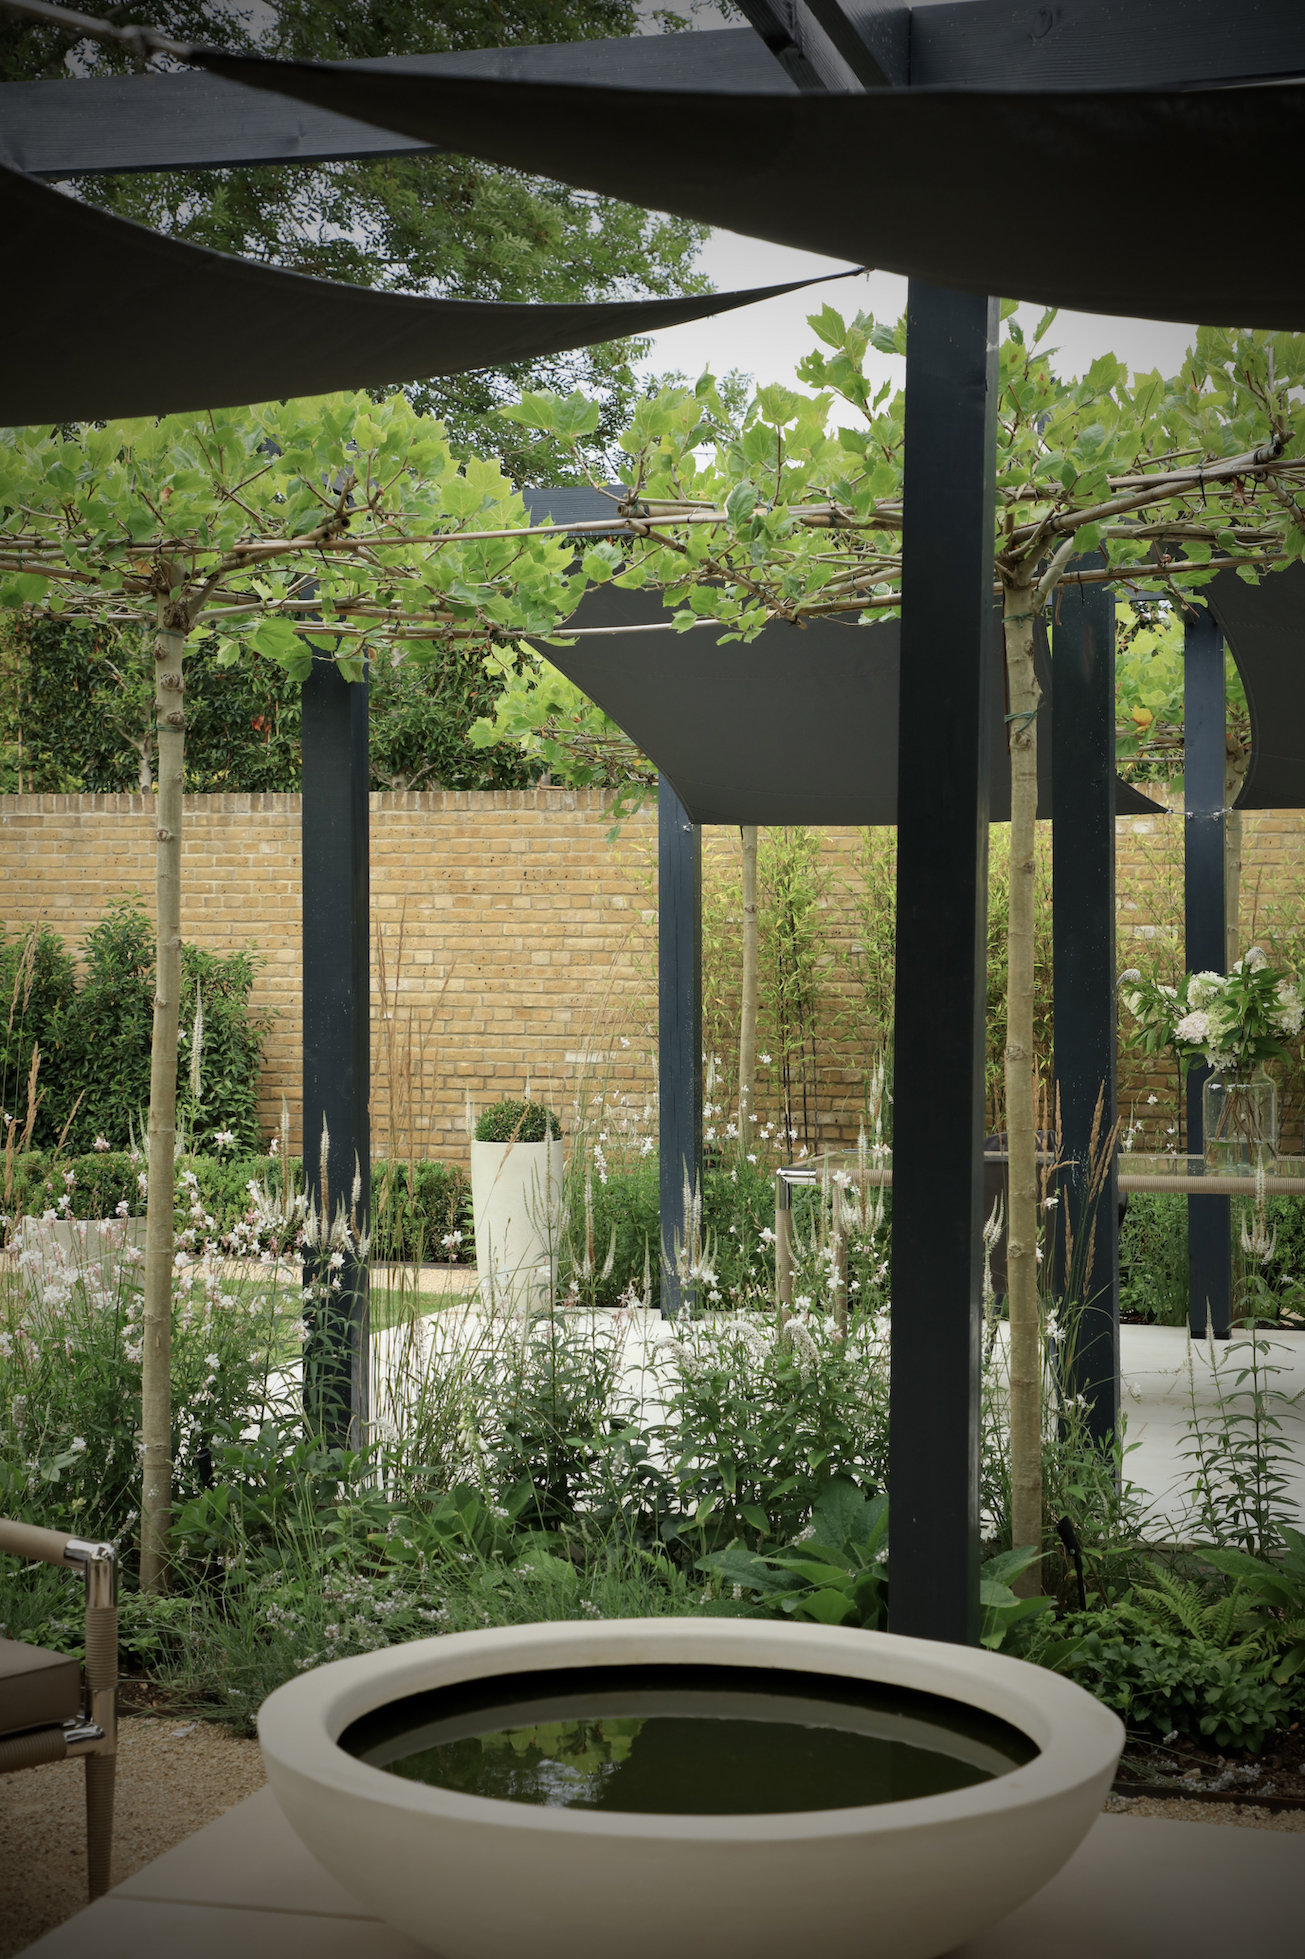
point(1083, 963)
point(336, 1015)
point(1209, 1219)
point(942, 847)
point(679, 1027)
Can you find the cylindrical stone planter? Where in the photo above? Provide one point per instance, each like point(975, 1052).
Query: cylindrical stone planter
point(516, 1198)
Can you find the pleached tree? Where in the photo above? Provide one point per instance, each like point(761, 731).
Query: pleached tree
point(334, 528)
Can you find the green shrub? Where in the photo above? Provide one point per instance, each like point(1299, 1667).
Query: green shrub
point(94, 1184)
point(224, 1183)
point(36, 984)
point(102, 1034)
point(1169, 1682)
point(97, 1068)
point(70, 1392)
point(415, 1208)
point(517, 1122)
point(404, 1227)
point(738, 1203)
point(231, 1050)
point(627, 1204)
point(1153, 1259)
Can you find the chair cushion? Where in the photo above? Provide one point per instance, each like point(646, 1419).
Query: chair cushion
point(38, 1689)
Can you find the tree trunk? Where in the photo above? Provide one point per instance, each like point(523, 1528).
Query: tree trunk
point(748, 1009)
point(1021, 1130)
point(156, 1358)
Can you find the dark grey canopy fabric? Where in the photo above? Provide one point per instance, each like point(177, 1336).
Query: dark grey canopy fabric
point(110, 319)
point(800, 726)
point(1264, 625)
point(185, 119)
point(911, 180)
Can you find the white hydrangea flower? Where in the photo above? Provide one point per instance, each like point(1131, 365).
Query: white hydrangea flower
point(1204, 988)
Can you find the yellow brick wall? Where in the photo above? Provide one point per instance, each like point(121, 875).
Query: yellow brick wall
point(502, 917)
point(515, 940)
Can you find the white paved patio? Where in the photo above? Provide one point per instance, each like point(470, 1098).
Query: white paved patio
point(1165, 1378)
point(1137, 1888)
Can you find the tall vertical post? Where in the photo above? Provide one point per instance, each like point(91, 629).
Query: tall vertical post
point(1205, 743)
point(1083, 961)
point(942, 895)
point(679, 1025)
point(336, 1036)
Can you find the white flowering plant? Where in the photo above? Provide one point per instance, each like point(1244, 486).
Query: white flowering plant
point(1233, 1022)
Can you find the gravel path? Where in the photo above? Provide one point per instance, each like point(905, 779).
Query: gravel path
point(176, 1776)
point(1243, 1816)
point(173, 1778)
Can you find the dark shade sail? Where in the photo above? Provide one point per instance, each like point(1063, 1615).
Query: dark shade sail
point(799, 726)
point(111, 319)
point(188, 120)
point(1264, 625)
point(909, 180)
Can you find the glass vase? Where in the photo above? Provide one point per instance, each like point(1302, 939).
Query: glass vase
point(1241, 1125)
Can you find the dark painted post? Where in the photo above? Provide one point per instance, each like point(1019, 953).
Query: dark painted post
point(942, 887)
point(679, 1023)
point(1209, 1249)
point(336, 1031)
point(1083, 962)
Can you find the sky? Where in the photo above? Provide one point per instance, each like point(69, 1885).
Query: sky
point(768, 340)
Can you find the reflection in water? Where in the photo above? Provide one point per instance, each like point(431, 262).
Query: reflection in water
point(687, 1741)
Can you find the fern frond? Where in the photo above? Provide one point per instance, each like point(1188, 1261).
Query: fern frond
point(1177, 1599)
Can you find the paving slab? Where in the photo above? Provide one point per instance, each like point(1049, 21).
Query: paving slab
point(1165, 1376)
point(126, 1928)
point(1137, 1888)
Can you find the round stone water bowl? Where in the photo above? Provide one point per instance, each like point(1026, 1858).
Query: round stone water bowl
point(702, 1786)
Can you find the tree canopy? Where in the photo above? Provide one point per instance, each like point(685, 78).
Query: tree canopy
point(436, 224)
point(789, 507)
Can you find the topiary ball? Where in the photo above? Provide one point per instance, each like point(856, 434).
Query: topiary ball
point(517, 1122)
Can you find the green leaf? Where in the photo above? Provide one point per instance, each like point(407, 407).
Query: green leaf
point(603, 561)
point(276, 639)
point(1009, 1564)
point(740, 503)
point(576, 416)
point(843, 1515)
point(536, 411)
point(460, 499)
point(827, 1608)
point(23, 588)
point(815, 1570)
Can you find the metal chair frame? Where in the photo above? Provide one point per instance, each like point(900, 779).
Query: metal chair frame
point(93, 1734)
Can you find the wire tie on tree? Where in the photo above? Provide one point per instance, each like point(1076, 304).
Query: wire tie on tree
point(1024, 719)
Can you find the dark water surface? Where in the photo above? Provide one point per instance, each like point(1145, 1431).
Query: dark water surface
point(687, 1740)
